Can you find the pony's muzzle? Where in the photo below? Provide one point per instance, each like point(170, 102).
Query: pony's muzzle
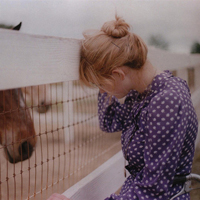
point(25, 150)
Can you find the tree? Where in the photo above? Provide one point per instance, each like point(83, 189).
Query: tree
point(195, 48)
point(158, 41)
point(5, 26)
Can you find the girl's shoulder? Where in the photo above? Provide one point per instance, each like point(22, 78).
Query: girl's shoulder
point(165, 84)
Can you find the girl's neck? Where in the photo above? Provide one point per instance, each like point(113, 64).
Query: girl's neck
point(143, 77)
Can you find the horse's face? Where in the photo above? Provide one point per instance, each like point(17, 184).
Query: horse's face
point(38, 96)
point(17, 133)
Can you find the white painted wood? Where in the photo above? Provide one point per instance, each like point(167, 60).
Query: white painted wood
point(166, 60)
point(183, 73)
point(99, 184)
point(194, 59)
point(196, 101)
point(196, 76)
point(27, 60)
point(197, 141)
point(196, 98)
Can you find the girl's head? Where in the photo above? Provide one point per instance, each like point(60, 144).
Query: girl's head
point(108, 49)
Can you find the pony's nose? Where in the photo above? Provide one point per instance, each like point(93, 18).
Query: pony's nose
point(25, 150)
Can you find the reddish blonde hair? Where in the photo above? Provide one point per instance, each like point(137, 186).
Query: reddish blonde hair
point(105, 50)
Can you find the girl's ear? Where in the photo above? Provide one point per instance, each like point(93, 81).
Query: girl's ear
point(119, 73)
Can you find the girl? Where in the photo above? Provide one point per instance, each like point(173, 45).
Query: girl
point(157, 119)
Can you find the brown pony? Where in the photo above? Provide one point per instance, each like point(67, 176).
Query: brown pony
point(17, 133)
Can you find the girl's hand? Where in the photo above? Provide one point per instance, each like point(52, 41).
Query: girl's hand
point(56, 196)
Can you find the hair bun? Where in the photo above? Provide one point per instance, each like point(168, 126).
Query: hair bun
point(116, 28)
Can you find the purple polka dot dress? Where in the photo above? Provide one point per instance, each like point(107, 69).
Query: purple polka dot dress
point(159, 129)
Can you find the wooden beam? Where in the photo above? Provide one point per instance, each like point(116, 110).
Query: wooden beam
point(166, 60)
point(196, 103)
point(99, 184)
point(27, 60)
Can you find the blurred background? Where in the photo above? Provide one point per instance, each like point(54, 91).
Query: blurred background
point(172, 25)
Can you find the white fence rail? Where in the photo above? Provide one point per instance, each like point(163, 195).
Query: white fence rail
point(27, 60)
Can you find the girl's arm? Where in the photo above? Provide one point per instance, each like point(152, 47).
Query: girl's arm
point(111, 113)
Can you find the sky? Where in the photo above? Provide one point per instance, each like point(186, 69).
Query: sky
point(177, 21)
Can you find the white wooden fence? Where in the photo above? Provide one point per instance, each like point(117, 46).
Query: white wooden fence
point(28, 60)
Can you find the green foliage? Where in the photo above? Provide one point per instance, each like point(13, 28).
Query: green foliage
point(5, 26)
point(195, 48)
point(158, 41)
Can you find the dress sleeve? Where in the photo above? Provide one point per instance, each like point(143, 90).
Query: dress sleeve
point(110, 113)
point(166, 124)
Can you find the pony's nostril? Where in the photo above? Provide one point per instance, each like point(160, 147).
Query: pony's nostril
point(25, 150)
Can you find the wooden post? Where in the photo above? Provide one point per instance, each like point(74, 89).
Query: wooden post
point(196, 76)
point(183, 73)
point(68, 111)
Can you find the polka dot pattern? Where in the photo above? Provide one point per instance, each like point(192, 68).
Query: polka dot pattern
point(159, 128)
